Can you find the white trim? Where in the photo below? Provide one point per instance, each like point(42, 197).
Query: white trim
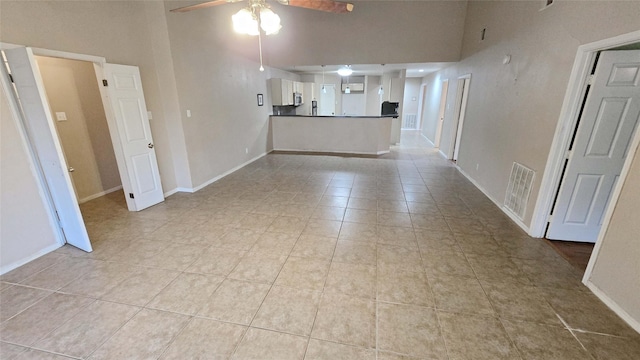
point(97, 195)
point(209, 182)
point(68, 55)
point(16, 264)
point(342, 152)
point(442, 153)
point(173, 191)
point(566, 123)
point(426, 138)
point(635, 324)
point(512, 216)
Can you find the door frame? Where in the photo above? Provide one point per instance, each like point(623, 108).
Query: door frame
point(568, 119)
point(421, 103)
point(444, 92)
point(462, 98)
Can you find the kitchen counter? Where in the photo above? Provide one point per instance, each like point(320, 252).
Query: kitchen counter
point(367, 135)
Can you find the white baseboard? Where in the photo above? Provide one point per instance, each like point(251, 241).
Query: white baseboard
point(335, 152)
point(500, 206)
point(634, 323)
point(6, 268)
point(97, 195)
point(426, 138)
point(443, 154)
point(171, 192)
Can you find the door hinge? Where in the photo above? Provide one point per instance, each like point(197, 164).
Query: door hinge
point(11, 78)
point(550, 218)
point(105, 82)
point(131, 195)
point(590, 79)
point(568, 154)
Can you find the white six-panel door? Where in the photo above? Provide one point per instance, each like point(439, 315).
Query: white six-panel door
point(141, 184)
point(609, 119)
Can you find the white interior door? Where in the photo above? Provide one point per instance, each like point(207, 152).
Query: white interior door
point(132, 139)
point(41, 132)
point(463, 84)
point(443, 107)
point(328, 100)
point(608, 121)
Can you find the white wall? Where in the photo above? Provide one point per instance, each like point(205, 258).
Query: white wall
point(374, 100)
point(72, 88)
point(411, 96)
point(617, 267)
point(431, 105)
point(513, 109)
point(25, 226)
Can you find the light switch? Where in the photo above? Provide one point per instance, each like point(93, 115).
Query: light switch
point(149, 115)
point(188, 113)
point(61, 116)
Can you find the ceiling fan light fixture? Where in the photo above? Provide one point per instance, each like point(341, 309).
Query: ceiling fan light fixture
point(345, 71)
point(245, 22)
point(381, 91)
point(347, 90)
point(269, 21)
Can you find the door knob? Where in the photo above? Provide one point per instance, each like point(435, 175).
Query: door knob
point(150, 146)
point(71, 169)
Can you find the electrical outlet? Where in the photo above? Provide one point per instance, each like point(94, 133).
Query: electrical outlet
point(477, 167)
point(188, 113)
point(246, 150)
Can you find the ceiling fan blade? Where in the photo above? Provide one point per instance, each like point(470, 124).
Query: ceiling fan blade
point(203, 5)
point(323, 5)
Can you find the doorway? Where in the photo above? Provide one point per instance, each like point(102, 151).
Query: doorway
point(327, 100)
point(75, 104)
point(441, 112)
point(462, 97)
point(598, 148)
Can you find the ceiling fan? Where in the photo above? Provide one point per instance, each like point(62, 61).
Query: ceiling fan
point(322, 5)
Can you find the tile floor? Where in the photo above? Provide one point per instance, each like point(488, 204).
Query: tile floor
point(310, 257)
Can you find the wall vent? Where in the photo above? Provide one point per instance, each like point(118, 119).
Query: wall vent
point(409, 121)
point(518, 190)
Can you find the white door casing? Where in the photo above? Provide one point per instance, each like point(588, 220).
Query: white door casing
point(133, 141)
point(441, 112)
point(463, 91)
point(601, 144)
point(41, 132)
point(327, 100)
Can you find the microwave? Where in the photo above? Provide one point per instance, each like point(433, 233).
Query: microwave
point(297, 99)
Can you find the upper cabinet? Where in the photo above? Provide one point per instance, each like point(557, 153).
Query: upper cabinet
point(282, 92)
point(298, 87)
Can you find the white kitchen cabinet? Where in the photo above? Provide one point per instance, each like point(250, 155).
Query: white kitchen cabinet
point(298, 87)
point(281, 92)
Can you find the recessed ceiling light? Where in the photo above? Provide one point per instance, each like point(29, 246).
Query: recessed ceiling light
point(345, 71)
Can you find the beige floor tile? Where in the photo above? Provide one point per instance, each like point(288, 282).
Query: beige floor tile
point(535, 341)
point(217, 261)
point(311, 199)
point(141, 287)
point(554, 272)
point(429, 222)
point(88, 329)
point(175, 257)
point(99, 281)
point(186, 294)
point(258, 222)
point(361, 216)
point(258, 267)
point(238, 239)
point(32, 267)
point(591, 315)
point(460, 294)
point(352, 279)
point(10, 351)
point(17, 298)
point(481, 245)
point(467, 225)
point(62, 273)
point(328, 213)
point(346, 320)
point(359, 232)
point(410, 330)
point(335, 201)
point(32, 354)
point(399, 258)
point(302, 211)
point(288, 310)
point(384, 355)
point(362, 203)
point(609, 347)
point(205, 339)
point(145, 336)
point(342, 190)
point(393, 206)
point(35, 322)
point(355, 252)
point(288, 225)
point(520, 302)
point(497, 269)
point(397, 219)
point(261, 344)
point(324, 350)
point(235, 301)
point(275, 243)
point(398, 236)
point(436, 240)
point(405, 287)
point(424, 207)
point(475, 338)
point(319, 227)
point(303, 273)
point(315, 247)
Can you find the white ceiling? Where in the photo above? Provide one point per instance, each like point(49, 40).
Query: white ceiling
point(413, 70)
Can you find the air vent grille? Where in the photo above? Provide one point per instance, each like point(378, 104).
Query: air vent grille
point(519, 189)
point(409, 121)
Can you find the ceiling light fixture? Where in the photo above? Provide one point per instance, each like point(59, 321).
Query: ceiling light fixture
point(256, 16)
point(345, 71)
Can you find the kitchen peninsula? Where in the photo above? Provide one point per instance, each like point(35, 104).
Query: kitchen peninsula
point(367, 135)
